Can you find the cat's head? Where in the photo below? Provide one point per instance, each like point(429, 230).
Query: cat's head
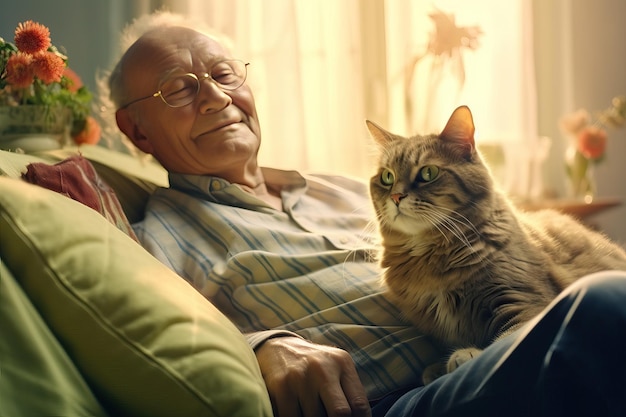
point(431, 182)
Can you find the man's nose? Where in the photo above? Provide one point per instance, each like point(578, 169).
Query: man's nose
point(212, 97)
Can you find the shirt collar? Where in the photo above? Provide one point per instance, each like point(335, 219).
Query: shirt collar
point(289, 184)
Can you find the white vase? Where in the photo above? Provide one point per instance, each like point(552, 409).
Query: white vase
point(34, 128)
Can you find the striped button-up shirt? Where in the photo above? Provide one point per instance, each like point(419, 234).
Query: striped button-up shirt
point(308, 269)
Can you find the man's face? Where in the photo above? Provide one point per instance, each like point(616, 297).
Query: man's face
point(216, 133)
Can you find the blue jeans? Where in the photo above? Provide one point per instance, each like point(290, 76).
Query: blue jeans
point(571, 361)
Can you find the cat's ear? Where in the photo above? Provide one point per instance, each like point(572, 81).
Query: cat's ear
point(380, 135)
point(460, 128)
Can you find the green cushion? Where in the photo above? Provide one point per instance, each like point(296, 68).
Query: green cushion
point(13, 164)
point(37, 378)
point(146, 342)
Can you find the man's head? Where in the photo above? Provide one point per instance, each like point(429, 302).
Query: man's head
point(216, 133)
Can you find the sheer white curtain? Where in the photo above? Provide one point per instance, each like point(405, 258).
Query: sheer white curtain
point(320, 68)
point(306, 74)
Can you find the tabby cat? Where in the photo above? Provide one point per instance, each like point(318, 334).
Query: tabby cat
point(462, 263)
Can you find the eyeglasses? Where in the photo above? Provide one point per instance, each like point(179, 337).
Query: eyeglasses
point(182, 89)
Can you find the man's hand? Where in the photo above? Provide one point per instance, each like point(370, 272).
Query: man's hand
point(309, 380)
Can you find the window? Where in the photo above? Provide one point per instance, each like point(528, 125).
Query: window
point(319, 69)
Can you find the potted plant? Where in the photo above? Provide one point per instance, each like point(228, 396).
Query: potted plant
point(43, 103)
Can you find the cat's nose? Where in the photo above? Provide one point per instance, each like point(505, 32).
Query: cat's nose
point(397, 197)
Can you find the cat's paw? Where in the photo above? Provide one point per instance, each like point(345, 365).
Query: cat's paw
point(460, 356)
point(432, 372)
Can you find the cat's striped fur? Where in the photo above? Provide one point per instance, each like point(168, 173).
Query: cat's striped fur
point(463, 263)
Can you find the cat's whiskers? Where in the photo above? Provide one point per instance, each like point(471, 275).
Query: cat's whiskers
point(432, 220)
point(481, 256)
point(461, 220)
point(371, 235)
point(449, 224)
point(436, 217)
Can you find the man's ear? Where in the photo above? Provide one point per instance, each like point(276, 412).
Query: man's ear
point(128, 126)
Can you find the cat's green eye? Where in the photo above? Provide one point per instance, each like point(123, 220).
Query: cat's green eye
point(428, 173)
point(387, 177)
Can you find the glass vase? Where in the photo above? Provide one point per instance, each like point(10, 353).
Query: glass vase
point(580, 175)
point(33, 128)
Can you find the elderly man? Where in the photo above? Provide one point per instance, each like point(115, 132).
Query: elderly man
point(288, 258)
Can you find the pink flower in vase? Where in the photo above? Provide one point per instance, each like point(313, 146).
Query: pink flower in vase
point(575, 122)
point(589, 142)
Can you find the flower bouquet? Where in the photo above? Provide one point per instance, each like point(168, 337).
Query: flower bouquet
point(589, 140)
point(39, 93)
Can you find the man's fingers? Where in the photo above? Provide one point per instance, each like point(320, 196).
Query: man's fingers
point(335, 402)
point(345, 396)
point(355, 394)
point(285, 404)
point(309, 380)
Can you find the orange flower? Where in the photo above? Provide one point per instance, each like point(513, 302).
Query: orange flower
point(48, 67)
point(34, 72)
point(592, 142)
point(90, 133)
point(19, 72)
point(32, 37)
point(75, 83)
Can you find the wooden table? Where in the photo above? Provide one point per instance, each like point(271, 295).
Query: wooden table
point(574, 207)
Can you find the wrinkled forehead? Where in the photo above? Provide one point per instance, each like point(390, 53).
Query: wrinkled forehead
point(172, 49)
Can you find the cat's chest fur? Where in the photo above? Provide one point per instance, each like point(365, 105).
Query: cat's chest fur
point(450, 290)
point(434, 311)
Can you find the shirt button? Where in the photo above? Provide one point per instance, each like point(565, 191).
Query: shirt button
point(216, 185)
point(344, 240)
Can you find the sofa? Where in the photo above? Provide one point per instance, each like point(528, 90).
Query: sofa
point(90, 323)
